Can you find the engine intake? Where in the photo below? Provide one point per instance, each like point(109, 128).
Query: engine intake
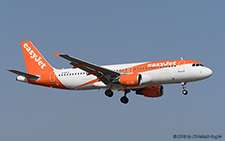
point(151, 91)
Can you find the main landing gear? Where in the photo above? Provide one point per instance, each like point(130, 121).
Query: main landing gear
point(185, 92)
point(124, 98)
point(109, 93)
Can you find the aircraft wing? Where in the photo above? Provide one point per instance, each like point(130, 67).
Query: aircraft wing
point(93, 69)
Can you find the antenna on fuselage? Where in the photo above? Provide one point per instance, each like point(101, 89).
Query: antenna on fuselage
point(181, 58)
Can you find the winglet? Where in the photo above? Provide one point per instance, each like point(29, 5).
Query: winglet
point(57, 54)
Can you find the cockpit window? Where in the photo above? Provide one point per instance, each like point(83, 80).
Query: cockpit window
point(197, 65)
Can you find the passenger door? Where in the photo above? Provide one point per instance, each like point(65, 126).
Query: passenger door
point(181, 67)
point(52, 77)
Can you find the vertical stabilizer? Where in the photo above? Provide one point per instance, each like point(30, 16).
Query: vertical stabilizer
point(35, 63)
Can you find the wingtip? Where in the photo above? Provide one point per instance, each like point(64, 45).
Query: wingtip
point(10, 70)
point(57, 54)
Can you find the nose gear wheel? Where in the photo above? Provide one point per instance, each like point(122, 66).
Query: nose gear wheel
point(185, 92)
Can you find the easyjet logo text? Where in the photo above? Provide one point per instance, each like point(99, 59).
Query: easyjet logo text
point(168, 63)
point(34, 56)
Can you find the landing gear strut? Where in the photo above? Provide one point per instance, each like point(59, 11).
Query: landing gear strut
point(124, 98)
point(109, 93)
point(185, 92)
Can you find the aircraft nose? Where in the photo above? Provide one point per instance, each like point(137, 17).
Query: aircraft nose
point(208, 72)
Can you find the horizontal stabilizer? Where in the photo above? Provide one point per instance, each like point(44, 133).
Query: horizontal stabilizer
point(24, 74)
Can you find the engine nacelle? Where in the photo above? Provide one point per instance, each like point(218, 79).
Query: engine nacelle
point(130, 80)
point(151, 91)
point(21, 79)
point(145, 78)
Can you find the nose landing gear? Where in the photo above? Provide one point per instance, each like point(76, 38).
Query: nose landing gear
point(185, 92)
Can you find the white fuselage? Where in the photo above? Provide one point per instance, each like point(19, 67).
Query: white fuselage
point(75, 78)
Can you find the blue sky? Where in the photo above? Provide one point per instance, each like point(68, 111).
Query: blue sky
point(112, 32)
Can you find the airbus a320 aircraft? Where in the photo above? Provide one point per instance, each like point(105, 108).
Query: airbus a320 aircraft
point(144, 78)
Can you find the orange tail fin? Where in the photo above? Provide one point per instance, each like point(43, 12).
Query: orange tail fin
point(35, 62)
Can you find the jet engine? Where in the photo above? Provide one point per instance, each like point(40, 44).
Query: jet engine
point(130, 79)
point(134, 79)
point(151, 91)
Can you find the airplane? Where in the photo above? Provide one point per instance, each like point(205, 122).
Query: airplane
point(145, 78)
